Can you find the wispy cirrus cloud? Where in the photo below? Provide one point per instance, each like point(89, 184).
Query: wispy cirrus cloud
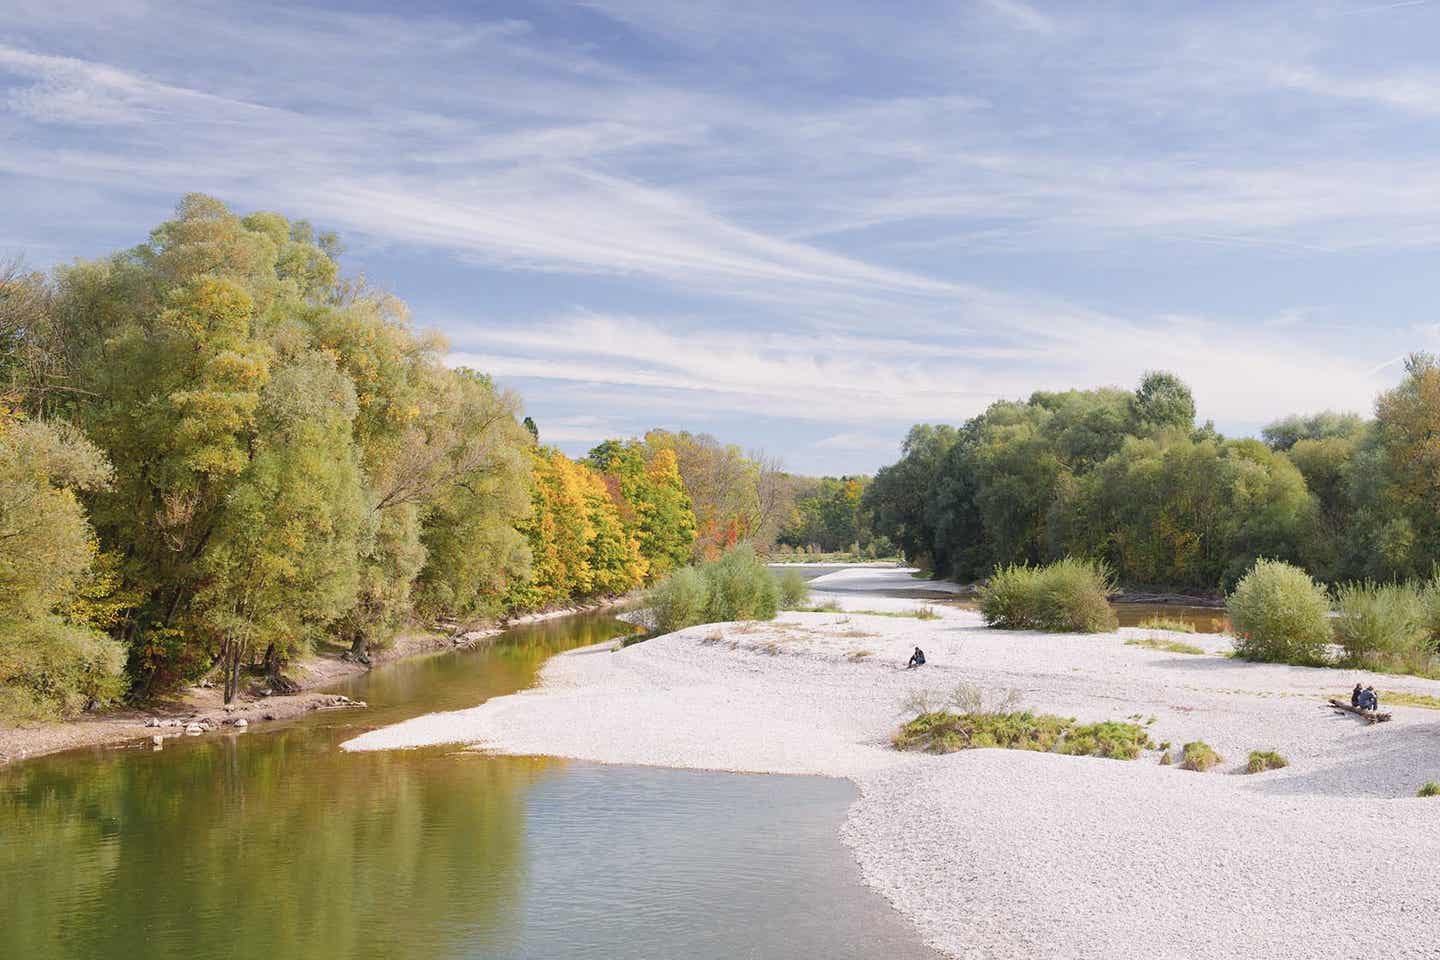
point(723, 212)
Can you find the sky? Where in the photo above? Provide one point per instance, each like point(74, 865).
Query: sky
point(801, 227)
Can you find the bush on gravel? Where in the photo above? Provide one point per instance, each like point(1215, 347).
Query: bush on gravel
point(1281, 615)
point(1068, 596)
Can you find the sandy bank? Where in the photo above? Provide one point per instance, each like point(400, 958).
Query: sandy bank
point(1002, 854)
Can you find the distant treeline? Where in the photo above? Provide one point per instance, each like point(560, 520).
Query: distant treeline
point(1130, 479)
point(217, 452)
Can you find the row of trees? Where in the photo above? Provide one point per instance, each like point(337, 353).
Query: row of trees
point(216, 451)
point(1129, 478)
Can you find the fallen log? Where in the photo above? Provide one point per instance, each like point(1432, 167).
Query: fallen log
point(1368, 716)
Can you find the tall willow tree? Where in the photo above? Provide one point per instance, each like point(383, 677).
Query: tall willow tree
point(282, 441)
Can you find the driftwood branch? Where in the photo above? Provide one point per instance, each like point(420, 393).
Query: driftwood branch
point(1368, 716)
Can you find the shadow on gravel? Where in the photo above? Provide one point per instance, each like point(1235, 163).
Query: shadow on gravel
point(1394, 759)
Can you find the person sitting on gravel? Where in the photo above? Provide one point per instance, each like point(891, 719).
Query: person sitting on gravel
point(1369, 699)
point(1355, 696)
point(917, 659)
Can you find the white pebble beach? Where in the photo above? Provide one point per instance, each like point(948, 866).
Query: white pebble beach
point(1007, 854)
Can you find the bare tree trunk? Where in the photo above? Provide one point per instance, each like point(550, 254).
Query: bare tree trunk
point(232, 658)
point(360, 648)
point(275, 672)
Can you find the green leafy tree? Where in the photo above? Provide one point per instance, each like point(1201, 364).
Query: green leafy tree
point(53, 661)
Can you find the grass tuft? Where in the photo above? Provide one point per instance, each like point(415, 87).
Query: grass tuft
point(1428, 789)
point(1263, 760)
point(1199, 756)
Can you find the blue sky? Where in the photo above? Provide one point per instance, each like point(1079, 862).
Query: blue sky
point(801, 227)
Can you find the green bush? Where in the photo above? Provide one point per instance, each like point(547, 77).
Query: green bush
point(1279, 614)
point(50, 669)
point(1384, 626)
point(678, 601)
point(794, 590)
point(1199, 756)
point(738, 586)
point(1068, 596)
point(1262, 760)
point(1429, 789)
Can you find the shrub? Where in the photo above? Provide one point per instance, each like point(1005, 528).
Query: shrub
point(1262, 760)
point(1383, 626)
point(1167, 623)
point(740, 587)
point(794, 590)
point(1200, 756)
point(678, 601)
point(735, 587)
point(1280, 614)
point(1429, 789)
point(50, 669)
point(1068, 596)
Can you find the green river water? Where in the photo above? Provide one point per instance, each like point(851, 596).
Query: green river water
point(273, 844)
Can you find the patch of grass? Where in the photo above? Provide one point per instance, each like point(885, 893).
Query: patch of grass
point(1262, 760)
point(855, 656)
point(1166, 623)
point(919, 613)
point(977, 719)
point(941, 731)
point(923, 574)
point(1396, 698)
point(829, 606)
point(1165, 760)
point(1428, 789)
point(1199, 756)
point(1068, 596)
point(1111, 739)
point(1422, 700)
point(1160, 643)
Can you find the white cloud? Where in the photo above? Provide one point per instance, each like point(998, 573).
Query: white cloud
point(1023, 15)
point(80, 92)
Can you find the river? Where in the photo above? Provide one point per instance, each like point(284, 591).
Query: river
point(274, 844)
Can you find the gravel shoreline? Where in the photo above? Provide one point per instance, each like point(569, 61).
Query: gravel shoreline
point(1003, 854)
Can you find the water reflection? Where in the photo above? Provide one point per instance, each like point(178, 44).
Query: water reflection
point(275, 844)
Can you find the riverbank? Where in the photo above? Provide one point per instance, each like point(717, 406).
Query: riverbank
point(1002, 854)
point(203, 705)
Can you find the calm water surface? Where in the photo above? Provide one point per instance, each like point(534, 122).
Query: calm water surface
point(273, 844)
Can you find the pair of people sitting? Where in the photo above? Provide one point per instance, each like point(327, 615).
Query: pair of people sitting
point(1366, 699)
